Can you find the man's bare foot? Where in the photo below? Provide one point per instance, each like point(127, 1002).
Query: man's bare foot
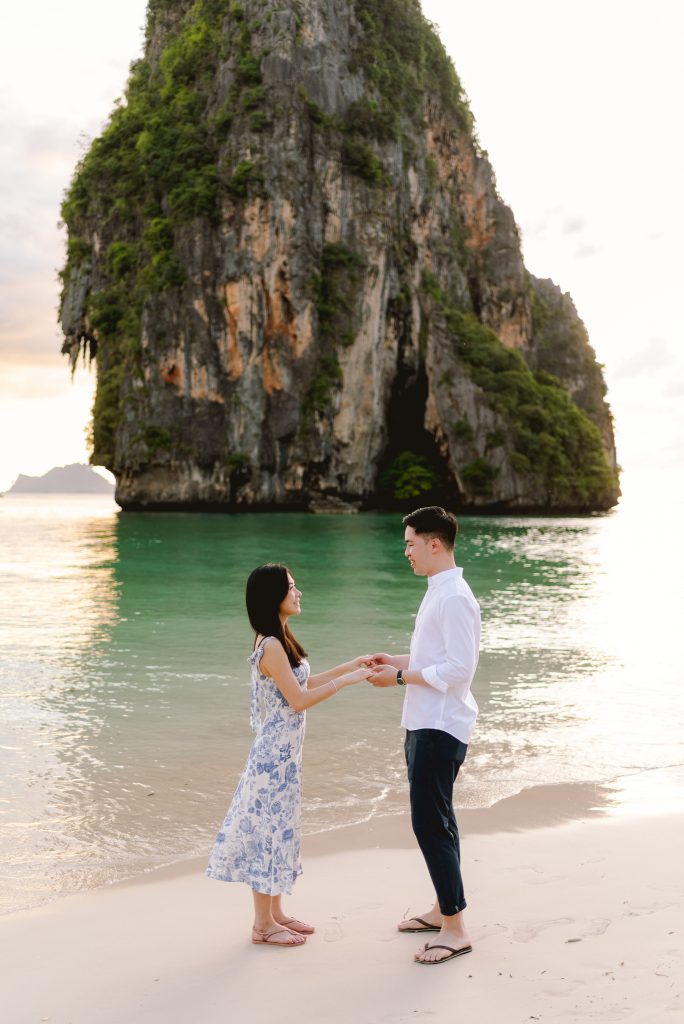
point(294, 924)
point(430, 921)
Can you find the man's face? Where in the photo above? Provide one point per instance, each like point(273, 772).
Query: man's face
point(418, 550)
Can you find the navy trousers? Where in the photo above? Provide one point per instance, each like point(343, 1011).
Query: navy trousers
point(433, 759)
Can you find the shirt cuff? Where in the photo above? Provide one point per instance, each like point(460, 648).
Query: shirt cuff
point(430, 676)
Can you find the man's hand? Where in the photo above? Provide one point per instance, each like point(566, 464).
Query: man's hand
point(384, 659)
point(383, 675)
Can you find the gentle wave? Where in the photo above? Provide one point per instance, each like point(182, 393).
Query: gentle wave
point(124, 685)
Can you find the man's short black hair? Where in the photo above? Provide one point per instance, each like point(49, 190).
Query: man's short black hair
point(434, 521)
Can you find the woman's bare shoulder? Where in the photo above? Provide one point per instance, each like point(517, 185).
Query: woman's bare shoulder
point(270, 645)
point(267, 641)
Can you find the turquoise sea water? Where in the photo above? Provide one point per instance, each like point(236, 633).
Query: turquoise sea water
point(124, 686)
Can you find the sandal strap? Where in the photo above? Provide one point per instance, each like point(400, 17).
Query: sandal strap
point(267, 936)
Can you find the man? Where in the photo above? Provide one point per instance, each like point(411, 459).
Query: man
point(439, 715)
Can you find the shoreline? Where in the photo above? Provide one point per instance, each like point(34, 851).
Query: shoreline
point(577, 919)
point(535, 807)
point(495, 511)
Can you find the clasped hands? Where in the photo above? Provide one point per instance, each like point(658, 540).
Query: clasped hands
point(382, 668)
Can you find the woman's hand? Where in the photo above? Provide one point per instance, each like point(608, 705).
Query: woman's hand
point(357, 675)
point(363, 661)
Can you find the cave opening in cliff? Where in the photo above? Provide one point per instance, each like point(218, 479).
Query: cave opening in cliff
point(413, 472)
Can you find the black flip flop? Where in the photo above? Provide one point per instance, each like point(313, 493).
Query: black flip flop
point(453, 952)
point(427, 927)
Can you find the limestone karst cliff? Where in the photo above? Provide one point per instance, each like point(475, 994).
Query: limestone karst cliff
point(289, 260)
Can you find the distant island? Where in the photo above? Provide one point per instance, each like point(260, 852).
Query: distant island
point(74, 479)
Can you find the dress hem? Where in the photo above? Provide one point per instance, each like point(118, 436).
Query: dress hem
point(254, 884)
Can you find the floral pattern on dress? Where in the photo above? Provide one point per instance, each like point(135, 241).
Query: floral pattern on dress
point(259, 841)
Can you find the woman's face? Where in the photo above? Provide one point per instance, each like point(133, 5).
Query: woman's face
point(290, 605)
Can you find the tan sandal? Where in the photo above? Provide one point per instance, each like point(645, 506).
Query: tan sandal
point(301, 927)
point(267, 938)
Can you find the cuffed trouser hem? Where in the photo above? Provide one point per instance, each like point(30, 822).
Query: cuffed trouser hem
point(451, 912)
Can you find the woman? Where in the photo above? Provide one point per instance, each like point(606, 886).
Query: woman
point(259, 840)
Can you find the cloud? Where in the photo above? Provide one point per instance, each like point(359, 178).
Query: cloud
point(31, 349)
point(573, 225)
point(35, 382)
point(28, 325)
point(37, 158)
point(654, 356)
point(675, 389)
point(586, 251)
point(556, 223)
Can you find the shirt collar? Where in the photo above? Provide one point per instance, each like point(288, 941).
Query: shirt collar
point(446, 574)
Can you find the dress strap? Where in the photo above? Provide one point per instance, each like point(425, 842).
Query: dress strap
point(256, 703)
point(259, 650)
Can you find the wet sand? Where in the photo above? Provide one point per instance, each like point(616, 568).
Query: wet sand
point(576, 920)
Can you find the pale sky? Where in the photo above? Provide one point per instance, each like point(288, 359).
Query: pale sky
point(578, 104)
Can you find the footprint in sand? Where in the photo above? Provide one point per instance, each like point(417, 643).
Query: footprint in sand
point(333, 932)
point(612, 1013)
point(487, 930)
point(537, 876)
point(599, 926)
point(526, 931)
point(637, 911)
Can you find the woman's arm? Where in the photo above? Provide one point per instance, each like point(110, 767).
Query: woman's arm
point(396, 661)
point(321, 678)
point(275, 663)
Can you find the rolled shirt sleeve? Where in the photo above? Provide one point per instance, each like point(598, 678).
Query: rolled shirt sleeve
point(455, 670)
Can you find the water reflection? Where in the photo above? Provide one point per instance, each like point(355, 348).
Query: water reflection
point(58, 613)
point(125, 684)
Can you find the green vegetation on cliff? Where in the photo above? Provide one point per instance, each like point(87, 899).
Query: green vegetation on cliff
point(552, 438)
point(158, 164)
point(402, 56)
point(409, 476)
point(335, 290)
point(561, 347)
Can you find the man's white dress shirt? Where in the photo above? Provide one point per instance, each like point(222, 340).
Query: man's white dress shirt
point(445, 648)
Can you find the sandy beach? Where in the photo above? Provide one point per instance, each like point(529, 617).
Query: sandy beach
point(578, 921)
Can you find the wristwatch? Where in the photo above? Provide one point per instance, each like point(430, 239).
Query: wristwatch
point(400, 678)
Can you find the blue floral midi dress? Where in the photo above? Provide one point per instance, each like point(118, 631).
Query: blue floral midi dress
point(259, 841)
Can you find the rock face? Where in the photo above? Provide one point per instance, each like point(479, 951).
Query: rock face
point(289, 260)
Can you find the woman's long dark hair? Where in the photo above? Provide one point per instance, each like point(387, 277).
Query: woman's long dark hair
point(267, 588)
